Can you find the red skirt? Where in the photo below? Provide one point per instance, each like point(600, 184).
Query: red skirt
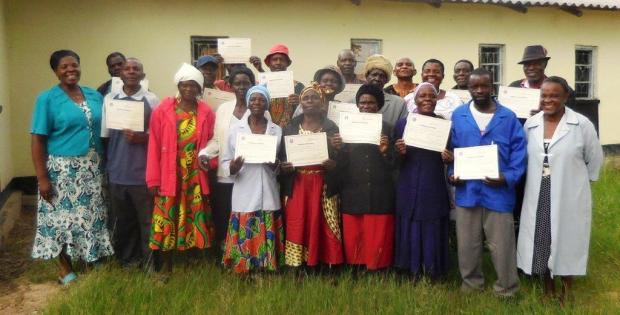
point(312, 222)
point(368, 239)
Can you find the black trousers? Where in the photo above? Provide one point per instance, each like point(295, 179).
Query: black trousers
point(130, 221)
point(221, 199)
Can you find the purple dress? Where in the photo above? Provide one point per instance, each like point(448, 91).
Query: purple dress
point(422, 211)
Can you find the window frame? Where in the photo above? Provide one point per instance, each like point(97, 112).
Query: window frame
point(500, 63)
point(592, 65)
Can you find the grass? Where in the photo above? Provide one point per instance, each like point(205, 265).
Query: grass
point(200, 286)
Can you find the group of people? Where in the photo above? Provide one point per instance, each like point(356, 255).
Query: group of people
point(179, 184)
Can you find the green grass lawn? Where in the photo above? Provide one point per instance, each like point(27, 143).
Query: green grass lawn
point(200, 286)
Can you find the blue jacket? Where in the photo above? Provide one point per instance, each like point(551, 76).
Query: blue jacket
point(506, 132)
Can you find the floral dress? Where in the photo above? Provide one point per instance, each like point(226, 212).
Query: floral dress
point(76, 217)
point(183, 221)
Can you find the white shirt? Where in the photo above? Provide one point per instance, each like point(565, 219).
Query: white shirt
point(482, 119)
point(148, 97)
point(255, 186)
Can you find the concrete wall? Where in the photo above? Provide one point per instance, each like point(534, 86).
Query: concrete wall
point(6, 170)
point(159, 33)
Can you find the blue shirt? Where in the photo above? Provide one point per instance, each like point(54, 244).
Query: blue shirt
point(59, 118)
point(126, 162)
point(506, 132)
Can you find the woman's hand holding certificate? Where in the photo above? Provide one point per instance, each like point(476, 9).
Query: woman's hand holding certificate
point(256, 148)
point(304, 150)
point(360, 127)
point(427, 132)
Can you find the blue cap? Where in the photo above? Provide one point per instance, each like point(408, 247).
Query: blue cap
point(203, 60)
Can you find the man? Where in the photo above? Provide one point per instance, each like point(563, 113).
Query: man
point(114, 61)
point(462, 71)
point(208, 65)
point(404, 72)
point(378, 72)
point(281, 109)
point(131, 203)
point(346, 63)
point(484, 207)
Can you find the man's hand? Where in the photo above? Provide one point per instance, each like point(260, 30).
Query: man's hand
point(495, 182)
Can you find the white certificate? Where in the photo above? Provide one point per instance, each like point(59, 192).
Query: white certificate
point(476, 162)
point(462, 94)
point(519, 100)
point(235, 50)
point(427, 132)
point(117, 85)
point(348, 93)
point(360, 127)
point(256, 148)
point(215, 98)
point(121, 115)
point(279, 84)
point(335, 108)
point(304, 150)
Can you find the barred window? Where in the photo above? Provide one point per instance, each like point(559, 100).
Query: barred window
point(584, 72)
point(491, 57)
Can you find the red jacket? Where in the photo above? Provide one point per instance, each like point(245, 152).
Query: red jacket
point(161, 161)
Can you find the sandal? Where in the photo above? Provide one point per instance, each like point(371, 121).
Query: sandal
point(68, 278)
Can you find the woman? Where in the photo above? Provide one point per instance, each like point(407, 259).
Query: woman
point(331, 81)
point(228, 114)
point(179, 126)
point(67, 154)
point(255, 238)
point(312, 218)
point(564, 155)
point(422, 204)
point(367, 192)
point(447, 102)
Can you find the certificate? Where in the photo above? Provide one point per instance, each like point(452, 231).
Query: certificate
point(279, 84)
point(304, 150)
point(335, 108)
point(256, 148)
point(235, 50)
point(519, 100)
point(360, 127)
point(462, 94)
point(427, 132)
point(215, 98)
point(348, 94)
point(121, 115)
point(117, 85)
point(476, 162)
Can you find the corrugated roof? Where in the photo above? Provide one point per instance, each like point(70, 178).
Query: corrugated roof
point(591, 4)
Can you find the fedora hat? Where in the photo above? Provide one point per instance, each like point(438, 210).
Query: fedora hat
point(534, 52)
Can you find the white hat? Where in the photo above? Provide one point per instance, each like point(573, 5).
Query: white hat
point(188, 72)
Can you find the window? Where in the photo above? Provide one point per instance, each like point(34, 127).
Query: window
point(584, 71)
point(204, 45)
point(362, 48)
point(491, 57)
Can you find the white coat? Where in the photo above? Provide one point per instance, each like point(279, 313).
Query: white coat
point(575, 158)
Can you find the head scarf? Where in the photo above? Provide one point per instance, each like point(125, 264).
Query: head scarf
point(261, 89)
point(315, 86)
point(372, 90)
point(333, 69)
point(378, 62)
point(188, 72)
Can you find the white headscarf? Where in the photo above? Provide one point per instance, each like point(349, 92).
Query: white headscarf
point(410, 98)
point(188, 72)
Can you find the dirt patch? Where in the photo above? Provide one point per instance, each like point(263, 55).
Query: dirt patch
point(18, 294)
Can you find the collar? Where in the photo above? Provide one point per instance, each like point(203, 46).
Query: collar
point(526, 84)
point(138, 96)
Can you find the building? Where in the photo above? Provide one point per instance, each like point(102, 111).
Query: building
point(579, 35)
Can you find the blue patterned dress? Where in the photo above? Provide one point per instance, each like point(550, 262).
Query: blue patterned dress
point(76, 217)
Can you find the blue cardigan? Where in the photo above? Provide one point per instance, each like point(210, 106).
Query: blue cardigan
point(506, 132)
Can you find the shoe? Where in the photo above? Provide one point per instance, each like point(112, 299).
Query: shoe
point(68, 278)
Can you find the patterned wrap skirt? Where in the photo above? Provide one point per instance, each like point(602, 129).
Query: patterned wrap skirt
point(255, 240)
point(312, 222)
point(76, 217)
